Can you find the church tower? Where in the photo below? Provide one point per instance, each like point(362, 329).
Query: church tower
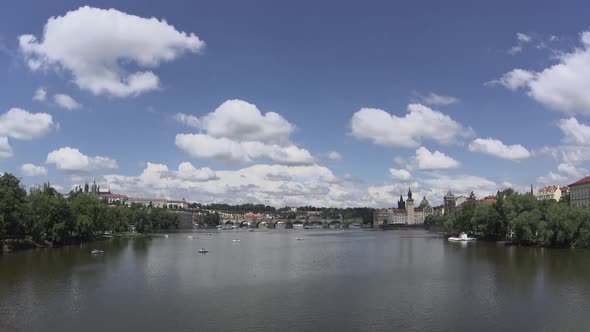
point(410, 207)
point(401, 204)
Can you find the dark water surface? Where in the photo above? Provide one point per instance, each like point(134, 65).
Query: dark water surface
point(329, 281)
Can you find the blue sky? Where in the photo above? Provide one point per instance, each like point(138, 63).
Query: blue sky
point(346, 85)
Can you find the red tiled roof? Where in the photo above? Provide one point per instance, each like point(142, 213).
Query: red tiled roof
point(112, 196)
point(581, 181)
point(139, 199)
point(182, 201)
point(488, 200)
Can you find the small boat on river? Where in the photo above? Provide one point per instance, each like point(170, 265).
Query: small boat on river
point(97, 252)
point(462, 238)
point(203, 251)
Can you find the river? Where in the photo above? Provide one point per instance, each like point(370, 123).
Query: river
point(331, 280)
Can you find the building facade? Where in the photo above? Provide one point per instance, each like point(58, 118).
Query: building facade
point(450, 202)
point(580, 192)
point(549, 192)
point(405, 213)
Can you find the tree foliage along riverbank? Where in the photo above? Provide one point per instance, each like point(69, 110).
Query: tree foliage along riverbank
point(44, 216)
point(521, 218)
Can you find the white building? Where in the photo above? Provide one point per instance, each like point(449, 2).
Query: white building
point(549, 192)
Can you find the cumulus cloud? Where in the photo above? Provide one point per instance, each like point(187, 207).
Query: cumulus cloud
point(100, 46)
point(40, 95)
point(419, 123)
point(239, 120)
point(514, 79)
point(571, 171)
point(237, 132)
point(276, 185)
point(563, 86)
point(33, 170)
point(552, 178)
point(71, 160)
point(65, 101)
point(334, 155)
point(435, 99)
point(187, 171)
point(188, 120)
point(429, 161)
point(574, 132)
point(5, 148)
point(23, 125)
point(400, 174)
point(234, 152)
point(498, 149)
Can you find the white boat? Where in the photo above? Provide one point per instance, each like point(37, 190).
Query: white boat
point(203, 251)
point(298, 238)
point(461, 238)
point(190, 237)
point(166, 235)
point(218, 226)
point(97, 252)
point(235, 240)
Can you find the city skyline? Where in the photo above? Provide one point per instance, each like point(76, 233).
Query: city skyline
point(336, 106)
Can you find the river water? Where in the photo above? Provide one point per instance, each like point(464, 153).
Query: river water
point(330, 280)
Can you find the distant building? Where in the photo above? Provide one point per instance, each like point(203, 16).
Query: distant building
point(580, 192)
point(114, 198)
point(450, 202)
point(405, 213)
point(158, 202)
point(549, 192)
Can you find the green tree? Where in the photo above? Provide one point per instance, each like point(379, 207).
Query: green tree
point(12, 202)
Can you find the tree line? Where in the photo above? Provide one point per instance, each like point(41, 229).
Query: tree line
point(522, 219)
point(43, 216)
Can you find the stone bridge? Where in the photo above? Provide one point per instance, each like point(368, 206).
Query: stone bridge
point(293, 223)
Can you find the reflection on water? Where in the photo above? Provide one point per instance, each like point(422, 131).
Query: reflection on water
point(331, 280)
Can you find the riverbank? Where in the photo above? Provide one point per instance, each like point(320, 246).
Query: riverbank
point(27, 243)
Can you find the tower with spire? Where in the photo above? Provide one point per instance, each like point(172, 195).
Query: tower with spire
point(410, 206)
point(401, 204)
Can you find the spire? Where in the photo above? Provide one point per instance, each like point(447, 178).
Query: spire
point(409, 192)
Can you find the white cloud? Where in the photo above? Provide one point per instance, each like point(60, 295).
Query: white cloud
point(237, 132)
point(189, 120)
point(334, 155)
point(5, 148)
point(435, 99)
point(562, 86)
point(40, 95)
point(419, 123)
point(95, 45)
point(276, 185)
point(514, 79)
point(552, 178)
point(71, 160)
point(428, 161)
point(234, 152)
point(187, 171)
point(241, 121)
point(515, 49)
point(65, 101)
point(521, 37)
point(33, 170)
point(571, 171)
point(498, 149)
point(575, 132)
point(400, 174)
point(21, 124)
